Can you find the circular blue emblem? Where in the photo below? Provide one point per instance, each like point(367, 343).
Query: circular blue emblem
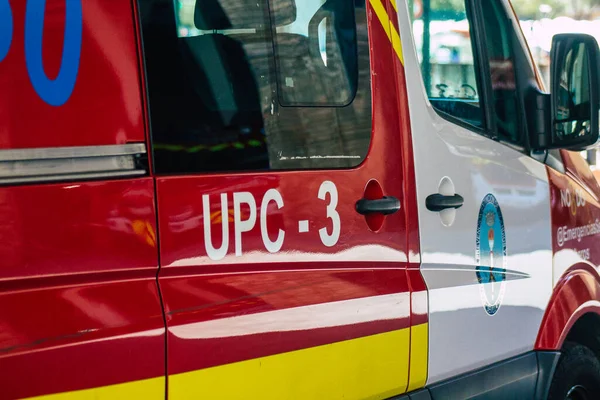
point(490, 255)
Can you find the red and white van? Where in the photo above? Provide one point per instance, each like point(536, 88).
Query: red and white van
point(281, 199)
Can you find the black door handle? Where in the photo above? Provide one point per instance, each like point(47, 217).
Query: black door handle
point(438, 202)
point(386, 206)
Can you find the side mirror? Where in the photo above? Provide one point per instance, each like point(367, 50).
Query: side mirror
point(575, 92)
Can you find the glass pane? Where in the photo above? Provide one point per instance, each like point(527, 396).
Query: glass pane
point(445, 48)
point(319, 45)
point(501, 59)
point(229, 82)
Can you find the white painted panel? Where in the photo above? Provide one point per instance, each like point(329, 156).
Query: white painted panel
point(462, 335)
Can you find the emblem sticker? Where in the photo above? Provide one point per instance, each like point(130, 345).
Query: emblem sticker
point(490, 255)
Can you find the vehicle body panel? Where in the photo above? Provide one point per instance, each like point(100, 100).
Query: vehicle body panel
point(105, 105)
point(79, 302)
point(108, 287)
point(307, 305)
point(575, 228)
point(477, 166)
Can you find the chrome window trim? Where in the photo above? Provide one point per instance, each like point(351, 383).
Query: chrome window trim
point(70, 163)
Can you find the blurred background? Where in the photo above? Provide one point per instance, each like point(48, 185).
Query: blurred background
point(542, 19)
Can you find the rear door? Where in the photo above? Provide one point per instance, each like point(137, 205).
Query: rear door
point(487, 264)
point(266, 133)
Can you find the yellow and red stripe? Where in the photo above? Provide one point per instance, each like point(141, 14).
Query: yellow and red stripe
point(389, 23)
point(371, 367)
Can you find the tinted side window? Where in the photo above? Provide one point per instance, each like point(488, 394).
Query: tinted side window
point(498, 42)
point(238, 85)
point(445, 46)
point(320, 46)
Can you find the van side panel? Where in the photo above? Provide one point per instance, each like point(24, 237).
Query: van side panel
point(88, 94)
point(79, 306)
point(79, 302)
point(475, 319)
point(575, 199)
point(289, 321)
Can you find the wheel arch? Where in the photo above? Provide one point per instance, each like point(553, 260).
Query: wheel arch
point(573, 312)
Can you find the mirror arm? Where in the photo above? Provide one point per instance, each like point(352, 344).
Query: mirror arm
point(540, 121)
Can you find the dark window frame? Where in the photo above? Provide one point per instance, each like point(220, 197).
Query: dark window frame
point(522, 144)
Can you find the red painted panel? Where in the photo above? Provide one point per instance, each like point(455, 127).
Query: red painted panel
point(304, 272)
point(579, 168)
point(575, 213)
point(77, 228)
point(105, 106)
point(182, 223)
point(408, 165)
point(574, 198)
point(254, 303)
point(419, 297)
point(577, 293)
point(243, 315)
point(410, 189)
point(418, 289)
point(79, 335)
point(79, 305)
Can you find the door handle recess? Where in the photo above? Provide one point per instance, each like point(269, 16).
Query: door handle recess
point(438, 202)
point(386, 206)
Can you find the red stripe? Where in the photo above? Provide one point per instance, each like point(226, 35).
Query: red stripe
point(75, 337)
point(198, 354)
point(79, 304)
point(418, 287)
point(576, 293)
point(206, 298)
point(418, 298)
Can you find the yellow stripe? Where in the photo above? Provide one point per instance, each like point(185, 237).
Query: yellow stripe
point(381, 15)
point(396, 43)
point(419, 340)
point(394, 5)
point(146, 389)
point(388, 27)
point(372, 367)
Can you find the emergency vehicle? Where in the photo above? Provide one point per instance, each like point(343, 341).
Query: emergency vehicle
point(295, 199)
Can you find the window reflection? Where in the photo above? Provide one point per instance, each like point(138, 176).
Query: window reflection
point(251, 85)
point(573, 107)
point(445, 50)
